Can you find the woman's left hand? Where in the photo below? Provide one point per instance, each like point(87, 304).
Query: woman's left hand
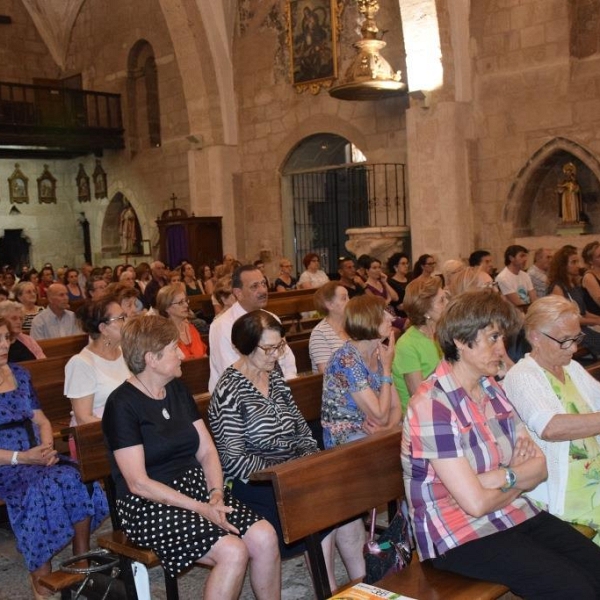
point(524, 450)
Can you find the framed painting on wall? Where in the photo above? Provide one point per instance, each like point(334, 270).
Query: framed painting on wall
point(46, 187)
point(312, 33)
point(83, 185)
point(18, 185)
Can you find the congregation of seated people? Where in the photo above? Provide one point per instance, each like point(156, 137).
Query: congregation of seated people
point(434, 352)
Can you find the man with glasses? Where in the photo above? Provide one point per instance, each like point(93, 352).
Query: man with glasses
point(349, 278)
point(514, 282)
point(251, 292)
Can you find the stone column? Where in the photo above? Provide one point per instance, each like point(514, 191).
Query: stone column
point(438, 177)
point(211, 172)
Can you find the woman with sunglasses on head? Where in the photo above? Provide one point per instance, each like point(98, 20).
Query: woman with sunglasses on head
point(99, 368)
point(172, 302)
point(256, 424)
point(560, 404)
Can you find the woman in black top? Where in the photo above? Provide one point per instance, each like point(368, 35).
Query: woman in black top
point(169, 483)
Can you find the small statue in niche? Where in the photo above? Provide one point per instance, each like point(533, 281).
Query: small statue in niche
point(570, 205)
point(128, 230)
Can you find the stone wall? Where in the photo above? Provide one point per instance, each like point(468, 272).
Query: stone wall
point(529, 90)
point(274, 118)
point(23, 54)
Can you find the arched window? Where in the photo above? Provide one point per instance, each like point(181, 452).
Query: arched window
point(142, 97)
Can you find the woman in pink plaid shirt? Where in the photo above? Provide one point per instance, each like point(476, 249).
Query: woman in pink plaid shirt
point(467, 459)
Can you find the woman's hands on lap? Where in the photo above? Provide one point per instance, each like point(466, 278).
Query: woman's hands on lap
point(44, 455)
point(216, 511)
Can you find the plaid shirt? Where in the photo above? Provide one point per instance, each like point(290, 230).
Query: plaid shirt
point(443, 422)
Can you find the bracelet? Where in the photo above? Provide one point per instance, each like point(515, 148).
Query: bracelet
point(511, 479)
point(386, 379)
point(215, 489)
point(14, 461)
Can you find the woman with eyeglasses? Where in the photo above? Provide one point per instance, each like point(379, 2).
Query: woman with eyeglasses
point(313, 276)
point(285, 281)
point(560, 404)
point(424, 267)
point(99, 368)
point(256, 424)
point(172, 302)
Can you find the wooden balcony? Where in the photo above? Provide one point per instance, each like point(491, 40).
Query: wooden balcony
point(45, 121)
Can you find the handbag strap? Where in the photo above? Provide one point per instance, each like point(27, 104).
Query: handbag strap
point(373, 520)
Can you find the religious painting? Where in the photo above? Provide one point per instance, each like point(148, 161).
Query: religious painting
point(46, 187)
point(18, 186)
point(99, 177)
point(83, 185)
point(312, 31)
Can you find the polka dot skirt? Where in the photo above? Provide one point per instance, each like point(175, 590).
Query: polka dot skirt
point(179, 536)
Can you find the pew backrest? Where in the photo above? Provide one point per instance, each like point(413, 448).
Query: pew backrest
point(63, 346)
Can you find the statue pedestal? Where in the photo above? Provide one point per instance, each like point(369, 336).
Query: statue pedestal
point(568, 229)
point(378, 242)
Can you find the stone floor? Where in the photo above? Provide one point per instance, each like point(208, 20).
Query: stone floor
point(14, 583)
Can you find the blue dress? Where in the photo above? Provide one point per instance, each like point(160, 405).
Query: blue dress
point(43, 502)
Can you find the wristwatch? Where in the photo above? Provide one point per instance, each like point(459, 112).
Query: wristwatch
point(511, 479)
point(14, 461)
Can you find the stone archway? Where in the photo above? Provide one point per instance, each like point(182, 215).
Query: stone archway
point(532, 205)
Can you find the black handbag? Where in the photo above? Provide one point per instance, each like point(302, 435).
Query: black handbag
point(389, 553)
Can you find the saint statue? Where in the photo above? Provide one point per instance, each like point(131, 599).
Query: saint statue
point(128, 230)
point(570, 205)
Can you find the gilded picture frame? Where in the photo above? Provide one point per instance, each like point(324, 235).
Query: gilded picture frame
point(312, 35)
point(46, 187)
point(83, 185)
point(18, 186)
point(99, 179)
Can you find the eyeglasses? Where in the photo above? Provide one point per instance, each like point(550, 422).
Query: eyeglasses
point(181, 302)
point(270, 350)
point(119, 318)
point(566, 344)
point(490, 285)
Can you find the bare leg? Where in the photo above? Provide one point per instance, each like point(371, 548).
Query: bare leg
point(328, 547)
point(228, 558)
point(39, 591)
point(265, 563)
point(350, 539)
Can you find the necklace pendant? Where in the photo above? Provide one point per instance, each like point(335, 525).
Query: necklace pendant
point(165, 414)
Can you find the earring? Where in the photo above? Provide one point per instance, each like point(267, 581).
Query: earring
point(106, 340)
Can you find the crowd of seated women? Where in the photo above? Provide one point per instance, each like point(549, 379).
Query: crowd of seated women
point(499, 457)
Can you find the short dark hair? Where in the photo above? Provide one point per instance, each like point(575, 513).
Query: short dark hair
point(248, 329)
point(308, 258)
point(469, 313)
point(93, 313)
point(512, 251)
point(476, 257)
point(236, 276)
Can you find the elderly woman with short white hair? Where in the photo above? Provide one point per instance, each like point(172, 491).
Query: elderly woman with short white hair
point(559, 401)
point(22, 346)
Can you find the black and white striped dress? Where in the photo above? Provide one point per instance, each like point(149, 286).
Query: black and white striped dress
point(252, 432)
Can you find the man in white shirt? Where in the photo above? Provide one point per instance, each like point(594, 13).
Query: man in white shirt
point(250, 290)
point(538, 272)
point(56, 320)
point(514, 283)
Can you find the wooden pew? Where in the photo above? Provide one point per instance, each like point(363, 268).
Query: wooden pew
point(195, 373)
point(300, 350)
point(63, 346)
point(94, 466)
point(322, 490)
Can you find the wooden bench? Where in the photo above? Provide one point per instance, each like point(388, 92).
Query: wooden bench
point(299, 348)
point(94, 466)
point(63, 346)
point(48, 380)
point(195, 373)
point(322, 490)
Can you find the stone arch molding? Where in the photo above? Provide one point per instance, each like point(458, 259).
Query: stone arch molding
point(517, 211)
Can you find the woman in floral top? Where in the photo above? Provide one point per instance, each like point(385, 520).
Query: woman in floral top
point(358, 395)
point(560, 404)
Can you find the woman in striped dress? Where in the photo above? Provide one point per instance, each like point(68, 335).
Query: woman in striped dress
point(256, 424)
